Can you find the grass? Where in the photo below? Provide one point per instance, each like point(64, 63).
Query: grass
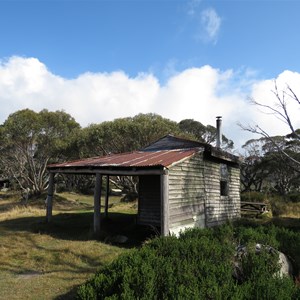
point(280, 206)
point(286, 210)
point(42, 261)
point(48, 261)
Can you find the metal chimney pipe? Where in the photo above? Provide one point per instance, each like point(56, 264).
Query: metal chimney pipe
point(219, 132)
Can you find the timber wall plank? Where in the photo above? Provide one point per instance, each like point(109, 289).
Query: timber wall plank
point(149, 200)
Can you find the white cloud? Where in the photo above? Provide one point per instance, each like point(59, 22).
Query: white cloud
point(263, 92)
point(198, 93)
point(92, 97)
point(193, 7)
point(205, 23)
point(211, 23)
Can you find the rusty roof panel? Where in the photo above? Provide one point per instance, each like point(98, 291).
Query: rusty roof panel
point(163, 158)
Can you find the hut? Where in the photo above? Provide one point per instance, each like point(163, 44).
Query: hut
point(182, 183)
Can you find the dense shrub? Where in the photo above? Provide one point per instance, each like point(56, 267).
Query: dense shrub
point(290, 245)
point(253, 197)
point(278, 206)
point(198, 265)
point(287, 206)
point(293, 197)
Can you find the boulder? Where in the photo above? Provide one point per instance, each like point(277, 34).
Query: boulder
point(286, 268)
point(118, 239)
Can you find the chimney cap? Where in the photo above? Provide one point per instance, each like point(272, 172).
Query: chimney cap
point(219, 117)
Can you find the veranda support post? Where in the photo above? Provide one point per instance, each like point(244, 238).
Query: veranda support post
point(164, 196)
point(50, 197)
point(106, 196)
point(97, 204)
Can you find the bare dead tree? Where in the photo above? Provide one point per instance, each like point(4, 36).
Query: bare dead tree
point(280, 111)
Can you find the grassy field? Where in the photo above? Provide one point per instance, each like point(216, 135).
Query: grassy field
point(42, 261)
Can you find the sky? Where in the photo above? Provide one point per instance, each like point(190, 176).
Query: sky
point(187, 59)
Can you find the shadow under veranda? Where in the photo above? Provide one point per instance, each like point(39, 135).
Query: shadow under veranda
point(73, 220)
point(78, 226)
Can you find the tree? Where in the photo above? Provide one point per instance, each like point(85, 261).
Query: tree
point(280, 110)
point(281, 171)
point(30, 141)
point(264, 166)
point(252, 175)
point(121, 135)
point(202, 133)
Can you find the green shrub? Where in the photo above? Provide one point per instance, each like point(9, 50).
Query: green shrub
point(285, 205)
point(265, 235)
point(290, 245)
point(293, 197)
point(253, 197)
point(198, 265)
point(86, 292)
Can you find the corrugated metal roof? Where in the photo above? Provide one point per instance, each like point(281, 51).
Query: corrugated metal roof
point(163, 158)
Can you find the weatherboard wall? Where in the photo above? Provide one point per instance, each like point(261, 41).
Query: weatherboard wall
point(149, 208)
point(194, 194)
point(187, 194)
point(220, 209)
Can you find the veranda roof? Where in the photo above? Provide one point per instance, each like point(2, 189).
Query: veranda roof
point(134, 161)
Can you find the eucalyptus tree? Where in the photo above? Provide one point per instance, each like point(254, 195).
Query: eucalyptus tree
point(280, 162)
point(30, 141)
point(207, 134)
point(265, 167)
point(252, 175)
point(122, 135)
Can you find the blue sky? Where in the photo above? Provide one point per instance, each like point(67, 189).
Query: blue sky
point(72, 37)
point(127, 47)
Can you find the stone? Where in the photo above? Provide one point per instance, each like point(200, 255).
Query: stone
point(119, 239)
point(286, 268)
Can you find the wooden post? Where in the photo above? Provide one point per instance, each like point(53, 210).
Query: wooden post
point(107, 196)
point(97, 204)
point(164, 200)
point(50, 197)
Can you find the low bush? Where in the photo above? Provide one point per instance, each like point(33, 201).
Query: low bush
point(290, 245)
point(253, 197)
point(293, 197)
point(198, 265)
point(285, 206)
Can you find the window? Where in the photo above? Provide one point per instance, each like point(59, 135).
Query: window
point(224, 180)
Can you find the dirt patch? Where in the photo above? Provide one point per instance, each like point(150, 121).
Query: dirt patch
point(29, 274)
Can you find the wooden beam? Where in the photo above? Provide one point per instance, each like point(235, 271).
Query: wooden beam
point(87, 171)
point(97, 204)
point(106, 196)
point(50, 197)
point(164, 198)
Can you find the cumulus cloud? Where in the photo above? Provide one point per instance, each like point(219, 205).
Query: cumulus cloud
point(91, 97)
point(197, 93)
point(263, 92)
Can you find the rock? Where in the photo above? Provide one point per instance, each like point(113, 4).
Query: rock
point(286, 268)
point(118, 239)
point(116, 192)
